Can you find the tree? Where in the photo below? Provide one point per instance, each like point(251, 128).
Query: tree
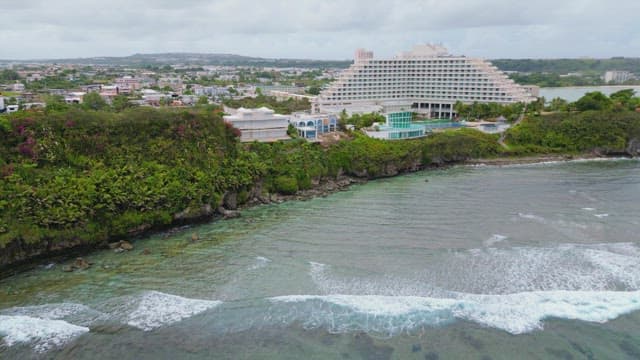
point(203, 100)
point(558, 104)
point(623, 99)
point(593, 101)
point(9, 75)
point(55, 103)
point(120, 103)
point(313, 90)
point(93, 101)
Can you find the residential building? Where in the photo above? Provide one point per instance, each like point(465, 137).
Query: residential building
point(19, 87)
point(127, 84)
point(398, 126)
point(261, 124)
point(310, 126)
point(109, 91)
point(618, 77)
point(91, 88)
point(74, 97)
point(210, 91)
point(426, 80)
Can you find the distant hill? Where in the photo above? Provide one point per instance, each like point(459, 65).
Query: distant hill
point(139, 60)
point(564, 66)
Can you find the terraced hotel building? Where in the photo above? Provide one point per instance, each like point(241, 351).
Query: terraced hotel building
point(427, 80)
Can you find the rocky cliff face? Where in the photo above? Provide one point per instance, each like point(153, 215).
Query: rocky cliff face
point(633, 147)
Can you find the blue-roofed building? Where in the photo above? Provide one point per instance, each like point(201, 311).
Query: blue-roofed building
point(312, 126)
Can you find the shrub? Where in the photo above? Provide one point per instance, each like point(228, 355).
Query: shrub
point(285, 185)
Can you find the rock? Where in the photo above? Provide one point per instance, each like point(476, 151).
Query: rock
point(81, 264)
point(114, 245)
point(118, 250)
point(67, 268)
point(633, 149)
point(228, 214)
point(139, 229)
point(146, 251)
point(192, 214)
point(195, 237)
point(230, 200)
point(426, 180)
point(125, 245)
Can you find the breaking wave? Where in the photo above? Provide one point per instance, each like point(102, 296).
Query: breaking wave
point(515, 313)
point(43, 334)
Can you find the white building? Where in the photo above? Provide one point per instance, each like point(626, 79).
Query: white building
point(19, 87)
point(74, 97)
point(261, 124)
point(618, 77)
point(426, 80)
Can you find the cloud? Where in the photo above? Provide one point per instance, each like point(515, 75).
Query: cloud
point(318, 29)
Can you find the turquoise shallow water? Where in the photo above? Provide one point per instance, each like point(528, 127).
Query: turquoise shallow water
point(529, 261)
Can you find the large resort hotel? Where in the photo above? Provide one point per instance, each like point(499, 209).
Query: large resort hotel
point(427, 80)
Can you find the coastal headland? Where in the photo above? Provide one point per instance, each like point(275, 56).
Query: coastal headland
point(77, 180)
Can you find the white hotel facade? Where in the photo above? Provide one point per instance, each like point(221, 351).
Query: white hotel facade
point(426, 80)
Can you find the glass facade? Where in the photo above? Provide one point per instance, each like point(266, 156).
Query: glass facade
point(399, 120)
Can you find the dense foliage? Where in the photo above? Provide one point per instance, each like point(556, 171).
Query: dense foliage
point(564, 66)
point(281, 107)
point(488, 110)
point(555, 80)
point(76, 176)
point(87, 175)
point(605, 131)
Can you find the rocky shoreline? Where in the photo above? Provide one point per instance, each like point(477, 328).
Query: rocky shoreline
point(230, 208)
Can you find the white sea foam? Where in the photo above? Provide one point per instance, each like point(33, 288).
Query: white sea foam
point(537, 218)
point(43, 334)
point(515, 313)
point(600, 216)
point(555, 162)
point(588, 209)
point(494, 239)
point(261, 262)
point(74, 313)
point(154, 309)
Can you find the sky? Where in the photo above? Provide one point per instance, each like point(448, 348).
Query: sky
point(326, 29)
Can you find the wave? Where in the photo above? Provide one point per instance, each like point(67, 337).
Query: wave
point(497, 271)
point(43, 334)
point(568, 161)
point(53, 325)
point(154, 309)
point(260, 262)
point(515, 313)
point(494, 239)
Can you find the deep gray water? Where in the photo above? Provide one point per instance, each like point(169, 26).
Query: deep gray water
point(524, 261)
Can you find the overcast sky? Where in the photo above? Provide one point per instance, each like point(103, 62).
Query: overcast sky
point(324, 29)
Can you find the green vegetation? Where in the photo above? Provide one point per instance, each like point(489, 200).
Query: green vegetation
point(74, 176)
point(565, 66)
point(606, 132)
point(8, 75)
point(555, 80)
point(488, 110)
point(281, 107)
point(566, 72)
point(360, 121)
